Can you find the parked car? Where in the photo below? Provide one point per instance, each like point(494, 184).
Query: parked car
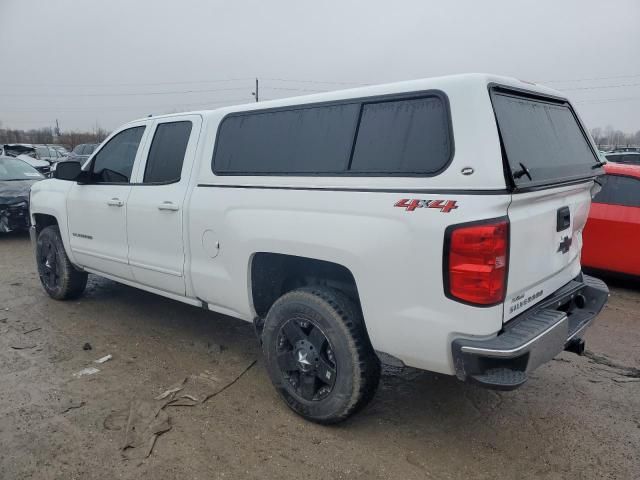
point(630, 157)
point(62, 149)
point(16, 178)
point(26, 153)
point(344, 226)
point(613, 229)
point(81, 152)
point(48, 153)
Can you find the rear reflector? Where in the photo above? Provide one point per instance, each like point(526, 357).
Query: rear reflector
point(476, 257)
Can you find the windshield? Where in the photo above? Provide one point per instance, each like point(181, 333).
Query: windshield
point(543, 141)
point(12, 169)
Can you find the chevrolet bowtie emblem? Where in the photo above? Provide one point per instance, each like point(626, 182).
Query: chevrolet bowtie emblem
point(565, 244)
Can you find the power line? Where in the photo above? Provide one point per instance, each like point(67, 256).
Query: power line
point(132, 107)
point(127, 94)
point(296, 89)
point(599, 87)
point(183, 82)
point(101, 85)
point(590, 79)
point(315, 81)
point(608, 100)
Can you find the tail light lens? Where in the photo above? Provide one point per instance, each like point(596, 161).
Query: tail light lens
point(476, 257)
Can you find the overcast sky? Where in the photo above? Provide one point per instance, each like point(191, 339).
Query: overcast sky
point(109, 61)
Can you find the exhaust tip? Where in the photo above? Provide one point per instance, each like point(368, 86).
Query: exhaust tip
point(576, 345)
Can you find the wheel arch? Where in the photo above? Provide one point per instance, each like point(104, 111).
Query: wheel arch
point(44, 220)
point(271, 275)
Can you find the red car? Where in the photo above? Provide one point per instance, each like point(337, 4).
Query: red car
point(612, 232)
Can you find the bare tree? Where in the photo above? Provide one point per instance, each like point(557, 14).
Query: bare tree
point(47, 135)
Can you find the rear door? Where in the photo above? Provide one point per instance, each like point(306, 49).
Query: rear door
point(155, 209)
point(550, 164)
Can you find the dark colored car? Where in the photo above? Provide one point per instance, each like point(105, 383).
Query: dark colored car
point(16, 178)
point(27, 153)
point(631, 157)
point(81, 152)
point(49, 153)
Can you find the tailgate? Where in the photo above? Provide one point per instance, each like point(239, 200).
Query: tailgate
point(550, 164)
point(546, 239)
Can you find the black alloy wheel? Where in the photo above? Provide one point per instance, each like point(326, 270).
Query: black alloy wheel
point(48, 260)
point(59, 277)
point(306, 359)
point(318, 354)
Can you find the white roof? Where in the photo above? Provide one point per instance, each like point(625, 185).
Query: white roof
point(435, 83)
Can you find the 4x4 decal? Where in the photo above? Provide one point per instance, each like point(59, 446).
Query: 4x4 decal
point(445, 206)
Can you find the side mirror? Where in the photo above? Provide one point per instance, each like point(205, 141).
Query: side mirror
point(70, 171)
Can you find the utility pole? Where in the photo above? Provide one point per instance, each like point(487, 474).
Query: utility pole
point(256, 93)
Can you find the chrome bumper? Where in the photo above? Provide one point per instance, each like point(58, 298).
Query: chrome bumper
point(532, 338)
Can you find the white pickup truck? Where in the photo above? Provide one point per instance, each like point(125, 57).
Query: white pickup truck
point(432, 223)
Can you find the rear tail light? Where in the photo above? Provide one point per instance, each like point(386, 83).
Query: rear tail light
point(476, 257)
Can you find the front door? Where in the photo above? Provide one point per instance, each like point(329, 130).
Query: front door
point(97, 209)
point(155, 208)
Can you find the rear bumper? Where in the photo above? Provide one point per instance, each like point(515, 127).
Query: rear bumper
point(533, 338)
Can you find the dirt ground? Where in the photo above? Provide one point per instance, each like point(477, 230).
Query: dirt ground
point(578, 417)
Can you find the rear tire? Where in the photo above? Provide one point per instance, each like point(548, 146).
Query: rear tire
point(60, 279)
point(318, 354)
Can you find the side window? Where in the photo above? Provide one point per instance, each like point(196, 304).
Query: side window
point(114, 163)
point(386, 137)
point(619, 190)
point(301, 140)
point(406, 136)
point(166, 155)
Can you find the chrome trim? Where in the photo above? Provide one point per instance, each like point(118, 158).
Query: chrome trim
point(514, 352)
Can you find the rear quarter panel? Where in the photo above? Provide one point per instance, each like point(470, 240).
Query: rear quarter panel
point(395, 256)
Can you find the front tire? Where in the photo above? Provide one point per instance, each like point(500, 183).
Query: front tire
point(318, 354)
point(60, 279)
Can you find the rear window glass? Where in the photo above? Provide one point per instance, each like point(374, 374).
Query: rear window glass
point(543, 139)
point(359, 137)
point(619, 190)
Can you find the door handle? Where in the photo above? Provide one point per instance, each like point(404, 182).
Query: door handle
point(168, 206)
point(115, 202)
point(563, 219)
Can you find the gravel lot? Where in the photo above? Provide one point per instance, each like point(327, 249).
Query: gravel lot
point(578, 417)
